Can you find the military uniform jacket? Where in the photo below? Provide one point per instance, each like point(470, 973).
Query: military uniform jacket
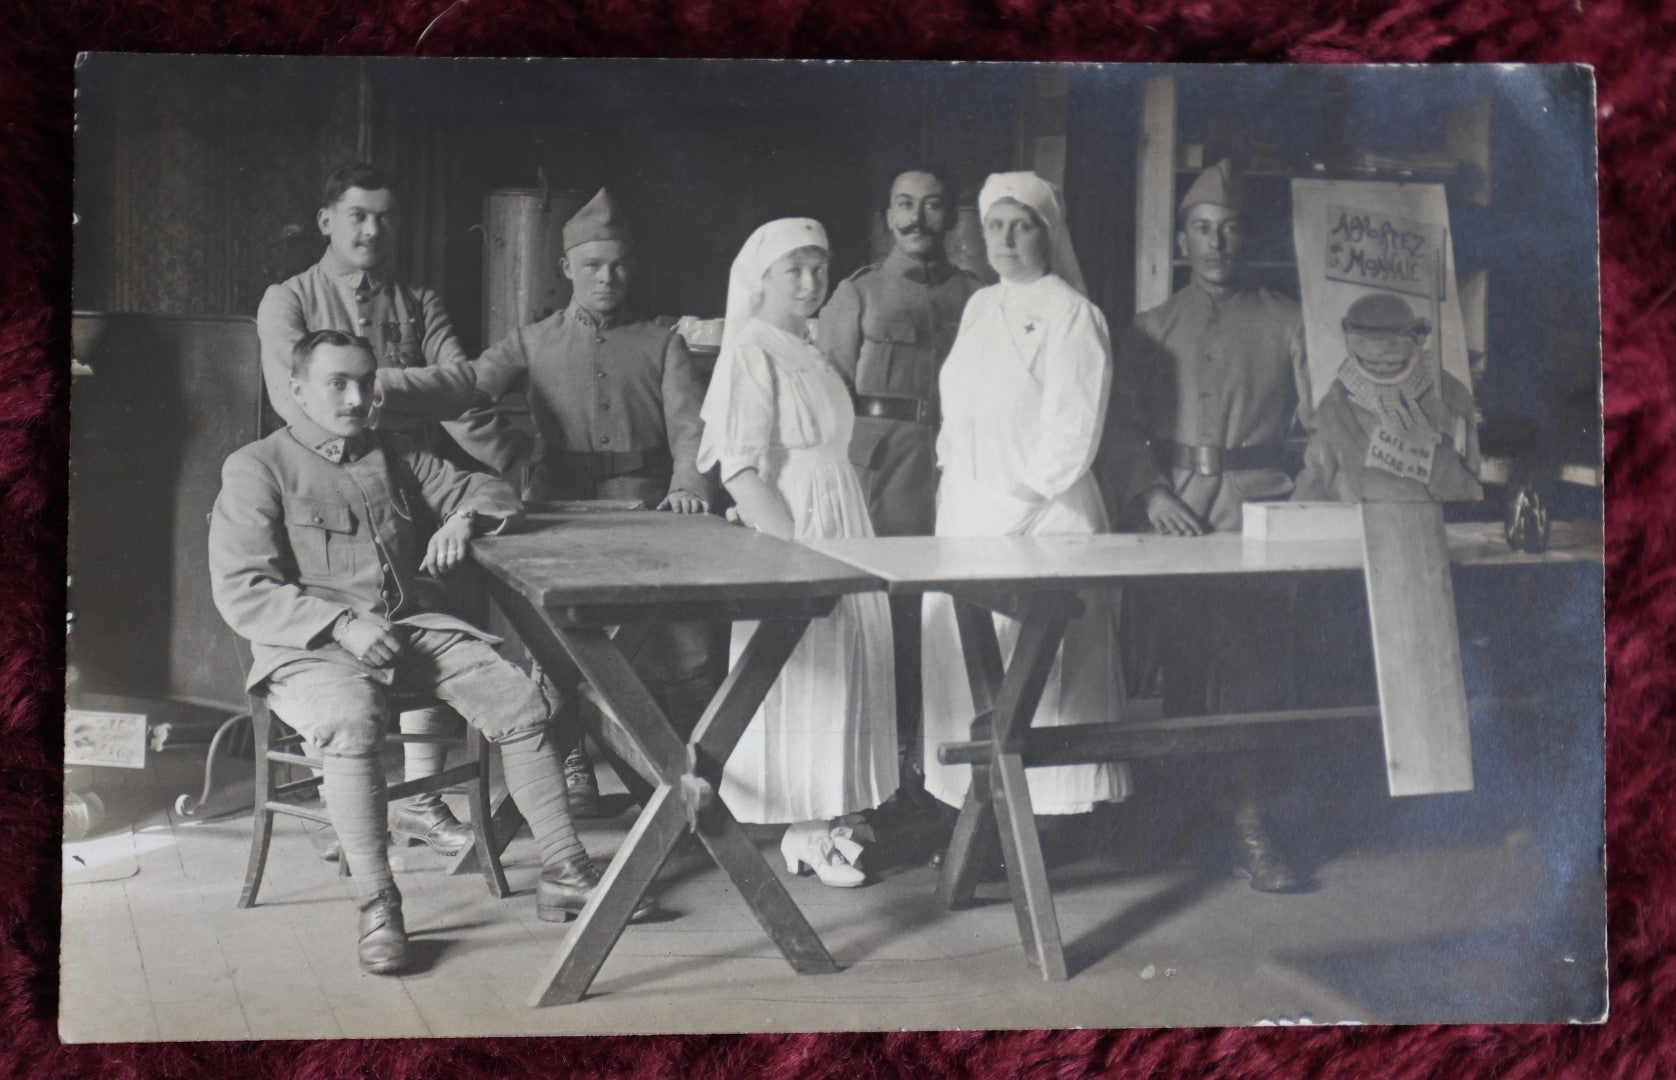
point(594, 386)
point(406, 325)
point(1200, 371)
point(888, 328)
point(308, 526)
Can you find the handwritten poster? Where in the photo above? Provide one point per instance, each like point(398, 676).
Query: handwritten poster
point(1355, 237)
point(1380, 251)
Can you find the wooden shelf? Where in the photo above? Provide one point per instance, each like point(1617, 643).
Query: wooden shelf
point(1249, 264)
point(1356, 172)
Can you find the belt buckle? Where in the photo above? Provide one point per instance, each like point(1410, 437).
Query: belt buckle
point(1207, 460)
point(923, 412)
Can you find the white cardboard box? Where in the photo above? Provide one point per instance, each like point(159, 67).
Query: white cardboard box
point(1282, 521)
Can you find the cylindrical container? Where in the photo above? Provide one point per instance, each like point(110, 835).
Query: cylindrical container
point(523, 230)
point(84, 812)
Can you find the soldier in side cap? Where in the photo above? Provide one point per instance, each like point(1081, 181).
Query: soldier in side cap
point(355, 289)
point(888, 328)
point(614, 399)
point(1394, 426)
point(1216, 376)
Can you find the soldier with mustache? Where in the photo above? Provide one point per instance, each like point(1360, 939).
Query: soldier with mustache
point(354, 289)
point(888, 328)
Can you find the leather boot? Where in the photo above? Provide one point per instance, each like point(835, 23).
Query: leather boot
point(564, 888)
point(580, 784)
point(426, 819)
point(1259, 859)
point(383, 945)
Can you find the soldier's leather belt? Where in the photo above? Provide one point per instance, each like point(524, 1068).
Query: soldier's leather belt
point(1216, 460)
point(607, 463)
point(913, 410)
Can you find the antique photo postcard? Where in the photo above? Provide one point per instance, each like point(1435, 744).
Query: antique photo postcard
point(608, 546)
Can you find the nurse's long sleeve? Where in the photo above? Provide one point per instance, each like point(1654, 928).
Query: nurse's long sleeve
point(1076, 373)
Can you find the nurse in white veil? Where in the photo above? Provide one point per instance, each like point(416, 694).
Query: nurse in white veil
point(1024, 400)
point(777, 419)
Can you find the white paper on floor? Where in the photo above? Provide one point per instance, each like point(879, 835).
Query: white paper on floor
point(101, 858)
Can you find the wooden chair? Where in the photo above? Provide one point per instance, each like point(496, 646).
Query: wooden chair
point(279, 746)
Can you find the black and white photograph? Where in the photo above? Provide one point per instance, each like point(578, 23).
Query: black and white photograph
point(568, 546)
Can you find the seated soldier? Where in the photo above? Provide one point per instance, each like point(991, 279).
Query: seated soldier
point(1393, 427)
point(326, 547)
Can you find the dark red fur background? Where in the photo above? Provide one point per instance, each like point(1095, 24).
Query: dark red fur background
point(1633, 46)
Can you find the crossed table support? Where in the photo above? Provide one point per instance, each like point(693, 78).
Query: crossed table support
point(686, 773)
point(563, 588)
point(1405, 562)
point(998, 802)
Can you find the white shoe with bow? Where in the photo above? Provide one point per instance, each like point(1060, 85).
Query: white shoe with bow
point(830, 851)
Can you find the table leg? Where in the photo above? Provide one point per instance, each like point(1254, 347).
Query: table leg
point(1013, 698)
point(686, 776)
point(972, 842)
point(763, 892)
point(970, 846)
point(717, 733)
point(568, 976)
point(1041, 632)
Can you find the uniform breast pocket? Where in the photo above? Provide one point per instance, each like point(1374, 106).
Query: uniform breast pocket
point(889, 357)
point(322, 536)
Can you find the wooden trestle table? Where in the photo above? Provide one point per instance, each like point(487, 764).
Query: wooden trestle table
point(1405, 558)
point(564, 582)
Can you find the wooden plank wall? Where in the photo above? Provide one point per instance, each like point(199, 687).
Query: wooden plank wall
point(197, 180)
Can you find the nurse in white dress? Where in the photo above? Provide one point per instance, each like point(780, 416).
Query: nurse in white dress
point(1024, 398)
point(777, 418)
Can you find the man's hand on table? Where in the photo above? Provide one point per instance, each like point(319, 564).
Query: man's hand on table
point(447, 548)
point(1169, 515)
point(684, 502)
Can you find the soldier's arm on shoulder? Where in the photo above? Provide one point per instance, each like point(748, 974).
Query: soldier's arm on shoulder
point(253, 577)
point(446, 387)
point(435, 392)
point(683, 396)
point(446, 488)
point(441, 345)
point(839, 331)
point(504, 367)
point(447, 390)
point(280, 324)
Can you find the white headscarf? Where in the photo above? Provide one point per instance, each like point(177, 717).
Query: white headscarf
point(766, 246)
point(1031, 190)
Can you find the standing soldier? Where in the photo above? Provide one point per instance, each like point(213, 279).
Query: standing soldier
point(615, 401)
point(888, 328)
point(1217, 376)
point(354, 289)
